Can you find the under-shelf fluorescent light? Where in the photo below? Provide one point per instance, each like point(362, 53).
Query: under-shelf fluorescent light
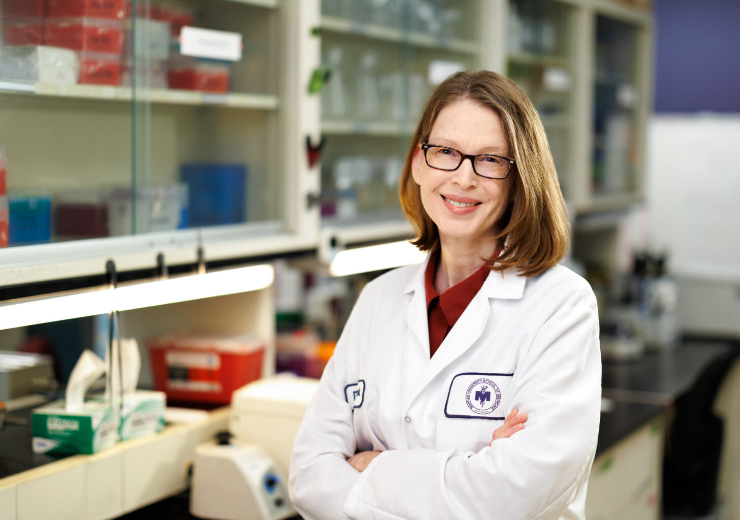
point(196, 287)
point(136, 296)
point(375, 258)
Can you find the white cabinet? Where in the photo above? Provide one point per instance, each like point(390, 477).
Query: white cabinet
point(121, 479)
point(8, 501)
point(625, 481)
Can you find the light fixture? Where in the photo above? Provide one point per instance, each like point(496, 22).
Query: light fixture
point(375, 258)
point(135, 296)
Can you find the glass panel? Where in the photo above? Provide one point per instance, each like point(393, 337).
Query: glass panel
point(108, 129)
point(383, 56)
point(615, 104)
point(207, 129)
point(66, 124)
point(540, 60)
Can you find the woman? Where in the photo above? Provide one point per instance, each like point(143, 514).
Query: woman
point(417, 416)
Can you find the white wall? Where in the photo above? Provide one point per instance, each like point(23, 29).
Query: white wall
point(693, 192)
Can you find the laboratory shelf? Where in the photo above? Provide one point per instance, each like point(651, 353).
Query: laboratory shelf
point(375, 32)
point(270, 4)
point(160, 96)
point(379, 128)
point(541, 60)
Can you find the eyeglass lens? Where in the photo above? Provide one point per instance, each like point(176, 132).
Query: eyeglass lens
point(448, 159)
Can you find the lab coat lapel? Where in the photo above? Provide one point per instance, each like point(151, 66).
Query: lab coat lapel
point(468, 328)
point(462, 336)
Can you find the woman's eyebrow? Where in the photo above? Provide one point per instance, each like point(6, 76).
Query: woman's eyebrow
point(493, 149)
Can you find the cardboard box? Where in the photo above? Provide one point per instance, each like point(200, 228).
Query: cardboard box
point(87, 431)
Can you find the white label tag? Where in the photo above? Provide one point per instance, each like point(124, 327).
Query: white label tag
point(477, 395)
point(207, 360)
point(556, 79)
point(206, 43)
point(355, 394)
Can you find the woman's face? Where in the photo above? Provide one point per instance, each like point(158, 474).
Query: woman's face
point(472, 129)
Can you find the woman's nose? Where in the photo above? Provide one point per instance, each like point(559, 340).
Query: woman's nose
point(465, 176)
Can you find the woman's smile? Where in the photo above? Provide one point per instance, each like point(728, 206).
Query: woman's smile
point(460, 205)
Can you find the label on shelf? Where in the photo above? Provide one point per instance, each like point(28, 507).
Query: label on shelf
point(207, 43)
point(215, 99)
point(358, 28)
point(556, 79)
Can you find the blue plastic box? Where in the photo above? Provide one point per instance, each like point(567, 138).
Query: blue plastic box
point(30, 220)
point(216, 193)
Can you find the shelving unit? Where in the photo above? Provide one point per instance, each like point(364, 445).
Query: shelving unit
point(142, 138)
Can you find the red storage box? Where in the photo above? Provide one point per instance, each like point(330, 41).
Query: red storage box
point(98, 68)
point(23, 9)
point(112, 9)
point(23, 32)
point(85, 34)
point(204, 77)
point(205, 368)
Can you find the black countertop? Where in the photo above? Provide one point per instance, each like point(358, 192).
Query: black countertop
point(641, 390)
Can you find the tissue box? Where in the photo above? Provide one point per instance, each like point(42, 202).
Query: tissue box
point(143, 414)
point(87, 431)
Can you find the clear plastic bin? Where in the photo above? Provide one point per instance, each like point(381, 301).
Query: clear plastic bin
point(158, 208)
point(97, 68)
point(193, 74)
point(111, 9)
point(85, 34)
point(40, 63)
point(28, 31)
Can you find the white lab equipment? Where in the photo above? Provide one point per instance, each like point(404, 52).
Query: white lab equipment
point(269, 412)
point(234, 481)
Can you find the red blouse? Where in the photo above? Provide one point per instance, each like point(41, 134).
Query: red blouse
point(444, 310)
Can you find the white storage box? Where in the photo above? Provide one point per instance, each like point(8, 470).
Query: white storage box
point(39, 63)
point(269, 412)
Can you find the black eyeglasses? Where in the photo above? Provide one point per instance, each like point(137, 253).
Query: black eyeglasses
point(484, 165)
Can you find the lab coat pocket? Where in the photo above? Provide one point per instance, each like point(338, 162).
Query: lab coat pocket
point(465, 434)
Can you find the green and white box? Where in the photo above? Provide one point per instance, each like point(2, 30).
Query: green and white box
point(143, 414)
point(89, 430)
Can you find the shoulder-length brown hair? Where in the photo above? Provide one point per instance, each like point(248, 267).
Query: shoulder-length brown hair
point(534, 227)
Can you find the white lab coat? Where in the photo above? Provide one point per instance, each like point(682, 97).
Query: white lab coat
point(527, 343)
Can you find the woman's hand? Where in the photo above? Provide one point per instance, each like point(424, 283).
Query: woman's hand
point(362, 460)
point(513, 423)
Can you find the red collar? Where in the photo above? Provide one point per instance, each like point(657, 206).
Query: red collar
point(454, 300)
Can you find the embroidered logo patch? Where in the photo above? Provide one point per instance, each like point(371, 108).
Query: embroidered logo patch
point(478, 396)
point(475, 395)
point(355, 394)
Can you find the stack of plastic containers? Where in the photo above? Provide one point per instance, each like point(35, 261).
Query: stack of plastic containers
point(147, 36)
point(23, 22)
point(92, 28)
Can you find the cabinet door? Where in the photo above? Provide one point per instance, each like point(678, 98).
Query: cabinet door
point(158, 125)
point(617, 100)
point(385, 58)
point(540, 59)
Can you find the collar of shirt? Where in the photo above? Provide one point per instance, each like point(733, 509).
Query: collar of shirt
point(454, 300)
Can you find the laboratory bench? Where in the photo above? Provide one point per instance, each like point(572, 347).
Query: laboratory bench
point(628, 457)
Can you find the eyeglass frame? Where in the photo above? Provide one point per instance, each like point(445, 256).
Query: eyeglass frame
point(463, 156)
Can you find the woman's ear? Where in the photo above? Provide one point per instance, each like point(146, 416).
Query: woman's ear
point(416, 161)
